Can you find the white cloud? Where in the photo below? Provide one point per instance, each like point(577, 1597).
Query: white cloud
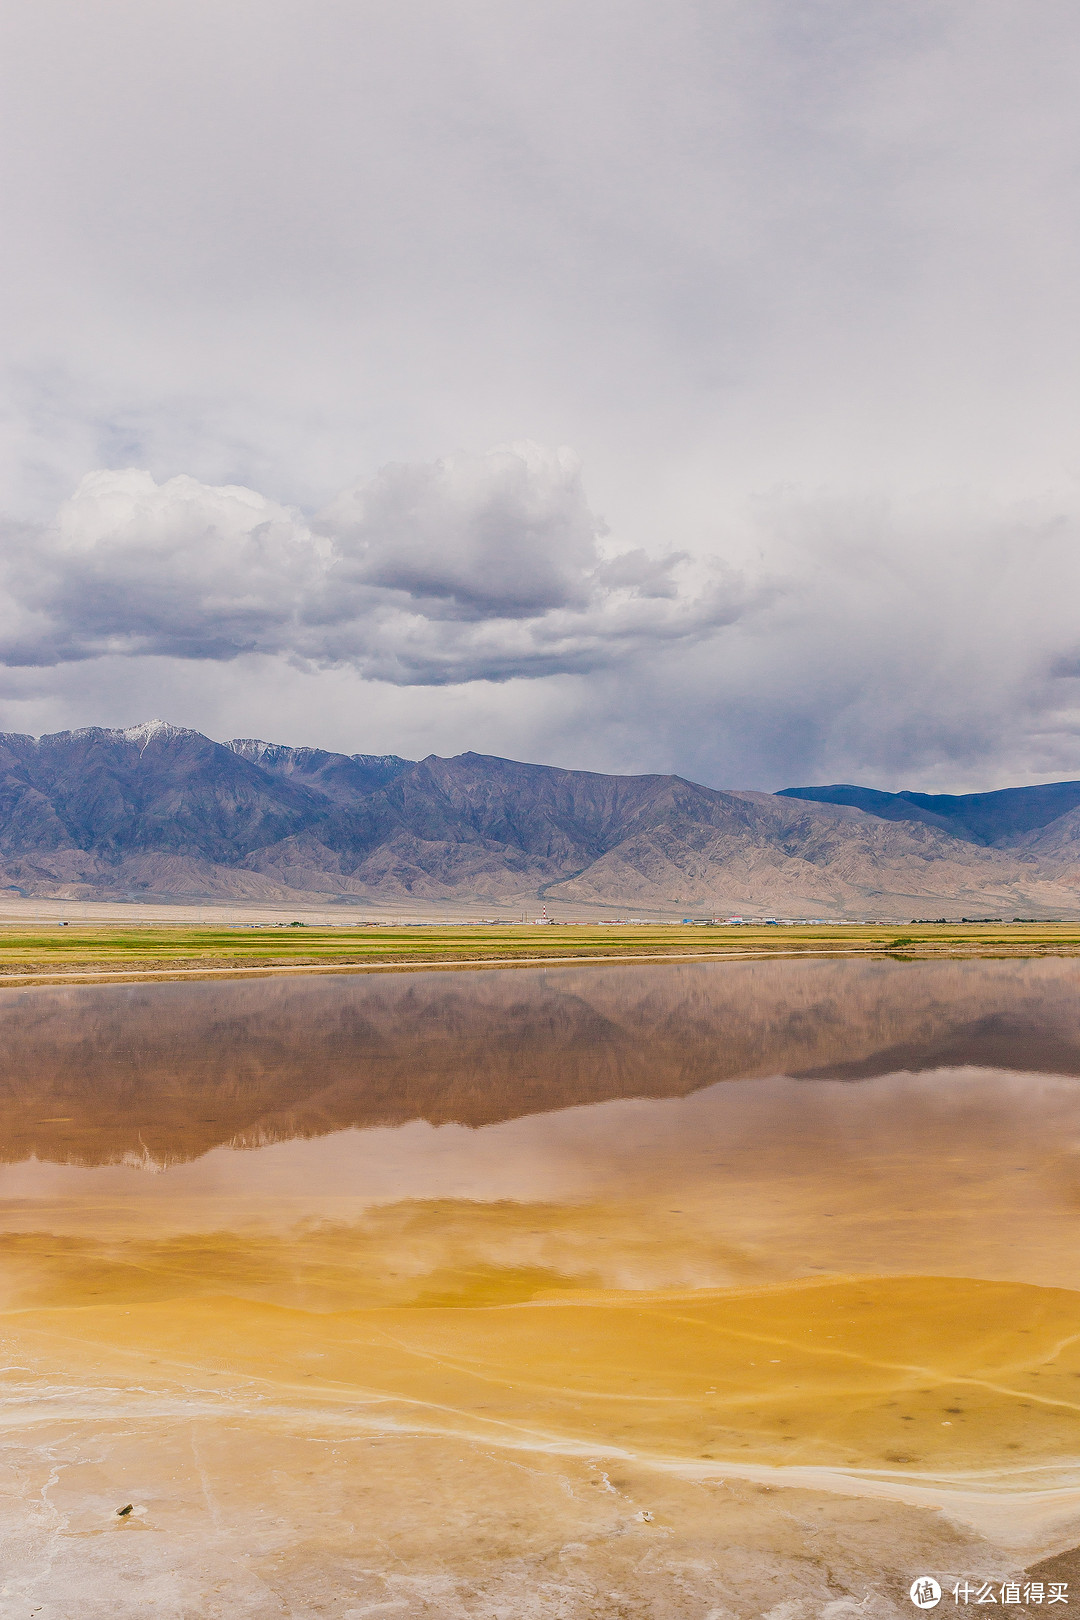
point(134, 567)
point(473, 568)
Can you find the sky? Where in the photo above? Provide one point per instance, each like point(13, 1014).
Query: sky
point(620, 386)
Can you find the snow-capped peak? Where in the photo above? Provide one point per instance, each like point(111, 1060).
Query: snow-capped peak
point(150, 731)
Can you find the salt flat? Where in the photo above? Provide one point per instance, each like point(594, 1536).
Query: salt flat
point(710, 1287)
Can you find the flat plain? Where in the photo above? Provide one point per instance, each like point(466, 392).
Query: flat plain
point(83, 950)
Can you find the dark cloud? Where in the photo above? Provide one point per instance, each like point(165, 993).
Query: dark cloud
point(508, 535)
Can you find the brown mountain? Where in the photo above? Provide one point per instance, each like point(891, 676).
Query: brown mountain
point(158, 812)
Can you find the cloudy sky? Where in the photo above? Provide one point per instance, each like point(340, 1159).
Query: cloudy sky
point(627, 386)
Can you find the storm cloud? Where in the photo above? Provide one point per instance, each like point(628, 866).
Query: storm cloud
point(796, 283)
point(472, 568)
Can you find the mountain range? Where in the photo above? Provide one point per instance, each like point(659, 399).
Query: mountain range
point(158, 812)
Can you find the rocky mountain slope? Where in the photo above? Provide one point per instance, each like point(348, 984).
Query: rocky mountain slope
point(158, 812)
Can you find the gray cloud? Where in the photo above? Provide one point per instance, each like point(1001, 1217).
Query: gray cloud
point(885, 642)
point(928, 642)
point(798, 283)
point(473, 568)
point(507, 535)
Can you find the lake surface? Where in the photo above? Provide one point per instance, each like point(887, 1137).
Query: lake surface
point(376, 1294)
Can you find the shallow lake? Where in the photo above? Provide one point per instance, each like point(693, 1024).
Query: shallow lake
point(351, 1281)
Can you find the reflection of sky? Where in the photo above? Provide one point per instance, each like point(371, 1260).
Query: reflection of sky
point(775, 1127)
point(968, 1170)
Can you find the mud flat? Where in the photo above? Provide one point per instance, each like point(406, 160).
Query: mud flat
point(739, 1450)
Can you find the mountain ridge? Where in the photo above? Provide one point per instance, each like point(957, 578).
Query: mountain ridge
point(157, 811)
point(998, 818)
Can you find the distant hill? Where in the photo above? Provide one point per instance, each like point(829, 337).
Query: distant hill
point(998, 819)
point(157, 812)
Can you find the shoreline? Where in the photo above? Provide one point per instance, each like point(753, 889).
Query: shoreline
point(136, 975)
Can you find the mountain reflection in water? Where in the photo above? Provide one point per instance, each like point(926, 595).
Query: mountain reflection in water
point(818, 1215)
point(162, 1073)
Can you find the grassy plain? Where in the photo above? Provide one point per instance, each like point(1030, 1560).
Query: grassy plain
point(91, 950)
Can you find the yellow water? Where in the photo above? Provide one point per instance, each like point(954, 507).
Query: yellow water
point(423, 1215)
